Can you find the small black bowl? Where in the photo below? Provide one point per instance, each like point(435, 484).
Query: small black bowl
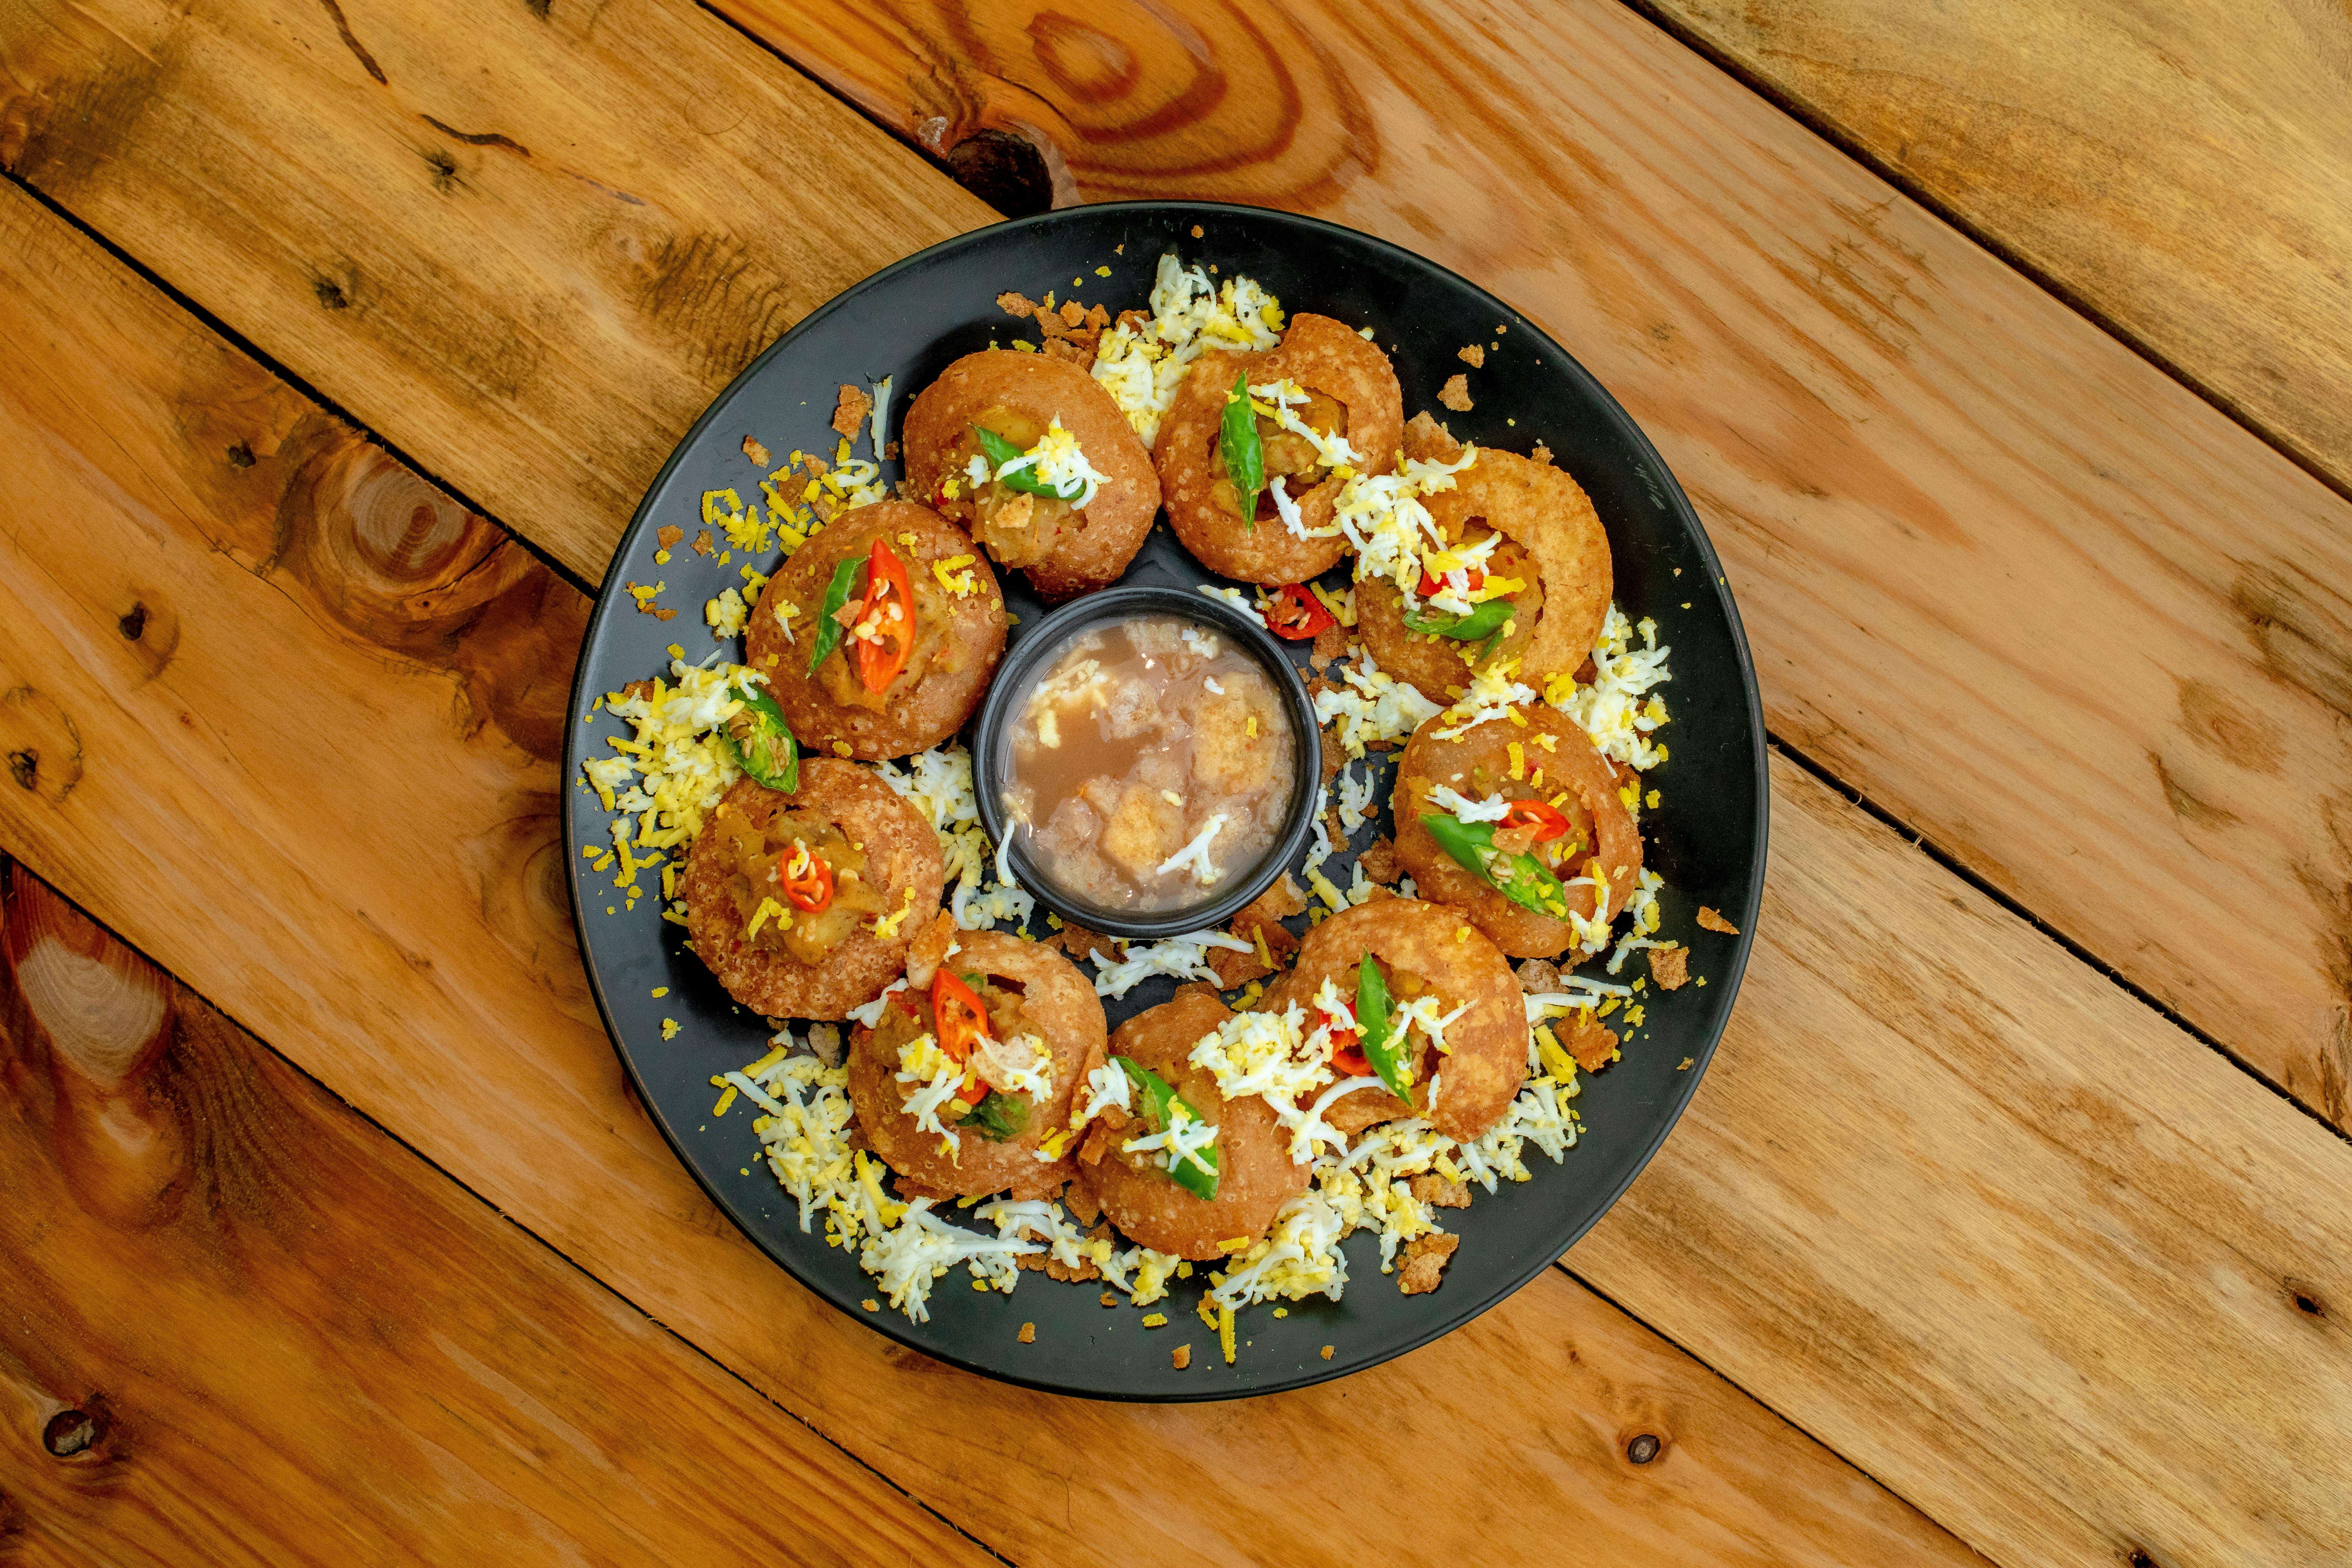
point(1033, 650)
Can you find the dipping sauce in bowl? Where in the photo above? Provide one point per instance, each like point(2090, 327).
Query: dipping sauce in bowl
point(1151, 764)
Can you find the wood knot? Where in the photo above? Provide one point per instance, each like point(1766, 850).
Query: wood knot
point(25, 767)
point(2306, 1300)
point(1643, 1448)
point(134, 621)
point(2138, 1558)
point(331, 293)
point(1006, 171)
point(240, 454)
point(71, 1432)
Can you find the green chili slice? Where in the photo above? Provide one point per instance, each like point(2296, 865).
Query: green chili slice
point(1244, 454)
point(1522, 878)
point(1381, 1044)
point(998, 1117)
point(1000, 451)
point(764, 744)
point(1483, 620)
point(1160, 1106)
point(837, 593)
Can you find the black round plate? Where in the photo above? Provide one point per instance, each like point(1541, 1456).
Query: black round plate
point(1708, 840)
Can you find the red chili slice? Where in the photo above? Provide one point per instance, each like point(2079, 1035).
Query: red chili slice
point(1294, 612)
point(962, 1023)
point(1548, 823)
point(810, 887)
point(889, 610)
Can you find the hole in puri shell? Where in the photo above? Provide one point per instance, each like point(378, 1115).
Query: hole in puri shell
point(1643, 1448)
point(69, 1433)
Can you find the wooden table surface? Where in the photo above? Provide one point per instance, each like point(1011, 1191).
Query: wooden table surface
point(2006, 350)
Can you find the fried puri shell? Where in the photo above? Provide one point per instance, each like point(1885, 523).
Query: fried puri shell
point(1322, 355)
point(1254, 1173)
point(1488, 1057)
point(1536, 506)
point(958, 639)
point(1060, 1005)
point(1572, 765)
point(902, 852)
point(1089, 548)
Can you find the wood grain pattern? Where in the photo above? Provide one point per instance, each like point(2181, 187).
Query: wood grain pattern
point(388, 908)
point(244, 1326)
point(2001, 576)
point(1955, 1208)
point(533, 240)
point(2178, 168)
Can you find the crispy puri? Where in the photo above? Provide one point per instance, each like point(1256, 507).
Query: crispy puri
point(1479, 764)
point(1487, 1057)
point(1066, 551)
point(1555, 543)
point(1254, 1173)
point(1356, 394)
point(957, 637)
point(1044, 995)
point(902, 853)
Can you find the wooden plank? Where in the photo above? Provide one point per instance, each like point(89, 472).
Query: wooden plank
point(288, 581)
point(2002, 576)
point(2025, 592)
point(2030, 1254)
point(245, 1326)
point(540, 236)
point(2177, 168)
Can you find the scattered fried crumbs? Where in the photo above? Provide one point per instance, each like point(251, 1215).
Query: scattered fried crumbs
point(1196, 231)
point(890, 451)
point(1684, 1065)
point(645, 606)
point(850, 410)
point(1594, 1046)
point(1109, 1300)
point(1425, 1259)
point(758, 453)
point(1669, 967)
point(1473, 356)
point(1028, 1333)
point(1441, 1193)
point(640, 690)
point(1079, 942)
point(1261, 920)
point(1013, 302)
point(870, 1304)
point(1710, 921)
point(1335, 757)
point(1426, 438)
point(1331, 643)
point(702, 544)
point(1540, 977)
point(1181, 1357)
point(815, 465)
point(1326, 1352)
point(668, 537)
point(1379, 860)
point(1455, 392)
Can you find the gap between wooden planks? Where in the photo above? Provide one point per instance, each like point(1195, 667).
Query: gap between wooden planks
point(2022, 589)
point(298, 1342)
point(2177, 167)
point(2093, 1339)
point(295, 717)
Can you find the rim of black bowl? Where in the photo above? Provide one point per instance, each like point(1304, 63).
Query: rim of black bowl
point(1016, 675)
